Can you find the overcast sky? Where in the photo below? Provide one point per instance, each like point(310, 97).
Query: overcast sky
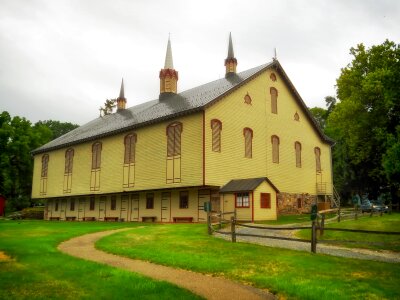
point(61, 60)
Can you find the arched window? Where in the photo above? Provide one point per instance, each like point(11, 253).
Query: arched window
point(69, 158)
point(274, 100)
point(317, 152)
point(174, 132)
point(296, 117)
point(45, 165)
point(297, 147)
point(43, 174)
point(216, 127)
point(275, 149)
point(273, 77)
point(248, 142)
point(96, 155)
point(130, 147)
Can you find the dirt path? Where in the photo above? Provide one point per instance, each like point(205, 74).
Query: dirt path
point(200, 284)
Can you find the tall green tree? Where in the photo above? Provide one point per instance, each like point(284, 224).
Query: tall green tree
point(364, 122)
point(57, 128)
point(18, 137)
point(321, 114)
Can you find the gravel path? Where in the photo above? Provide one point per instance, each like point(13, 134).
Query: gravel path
point(200, 284)
point(384, 256)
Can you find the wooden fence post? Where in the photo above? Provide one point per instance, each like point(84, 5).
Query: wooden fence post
point(372, 212)
point(209, 223)
point(220, 220)
point(233, 229)
point(338, 219)
point(321, 229)
point(390, 208)
point(313, 237)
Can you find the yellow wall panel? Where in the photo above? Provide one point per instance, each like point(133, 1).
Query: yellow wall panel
point(235, 115)
point(150, 165)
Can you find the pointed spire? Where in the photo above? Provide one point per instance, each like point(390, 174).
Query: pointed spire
point(169, 64)
point(230, 61)
point(121, 92)
point(168, 75)
point(230, 47)
point(121, 100)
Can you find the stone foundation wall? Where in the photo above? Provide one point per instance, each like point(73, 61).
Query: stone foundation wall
point(295, 203)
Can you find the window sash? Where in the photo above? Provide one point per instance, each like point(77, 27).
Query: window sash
point(242, 200)
point(113, 202)
point(298, 154)
point(150, 201)
point(45, 165)
point(130, 148)
point(216, 127)
point(184, 200)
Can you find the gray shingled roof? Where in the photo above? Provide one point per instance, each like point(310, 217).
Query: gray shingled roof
point(166, 107)
point(245, 185)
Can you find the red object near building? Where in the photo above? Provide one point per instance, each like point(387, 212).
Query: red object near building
point(2, 205)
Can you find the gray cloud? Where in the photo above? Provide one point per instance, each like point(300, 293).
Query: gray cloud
point(61, 59)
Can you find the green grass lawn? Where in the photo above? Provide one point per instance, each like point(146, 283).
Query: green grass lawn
point(292, 274)
point(37, 270)
point(385, 223)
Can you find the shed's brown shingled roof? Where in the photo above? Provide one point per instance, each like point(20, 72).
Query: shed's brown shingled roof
point(245, 185)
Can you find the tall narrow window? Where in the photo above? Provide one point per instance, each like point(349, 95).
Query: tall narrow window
point(317, 152)
point(69, 158)
point(274, 100)
point(248, 142)
point(113, 202)
point(275, 149)
point(216, 127)
point(184, 199)
point(297, 147)
point(149, 201)
point(174, 132)
point(43, 175)
point(91, 203)
point(72, 204)
point(96, 155)
point(129, 160)
point(96, 163)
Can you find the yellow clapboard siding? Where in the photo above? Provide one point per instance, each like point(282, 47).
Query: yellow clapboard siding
point(150, 166)
point(235, 115)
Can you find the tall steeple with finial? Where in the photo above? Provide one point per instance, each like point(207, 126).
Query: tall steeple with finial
point(121, 100)
point(168, 75)
point(230, 61)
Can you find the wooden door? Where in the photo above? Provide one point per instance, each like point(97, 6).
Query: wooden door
point(102, 208)
point(49, 209)
point(81, 208)
point(134, 208)
point(124, 207)
point(203, 196)
point(166, 207)
point(63, 209)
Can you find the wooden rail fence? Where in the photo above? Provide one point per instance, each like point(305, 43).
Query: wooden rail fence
point(317, 225)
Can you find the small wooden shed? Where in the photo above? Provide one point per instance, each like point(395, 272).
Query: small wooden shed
point(2, 205)
point(253, 199)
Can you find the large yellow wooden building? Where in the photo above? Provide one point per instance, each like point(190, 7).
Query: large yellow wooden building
point(245, 142)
